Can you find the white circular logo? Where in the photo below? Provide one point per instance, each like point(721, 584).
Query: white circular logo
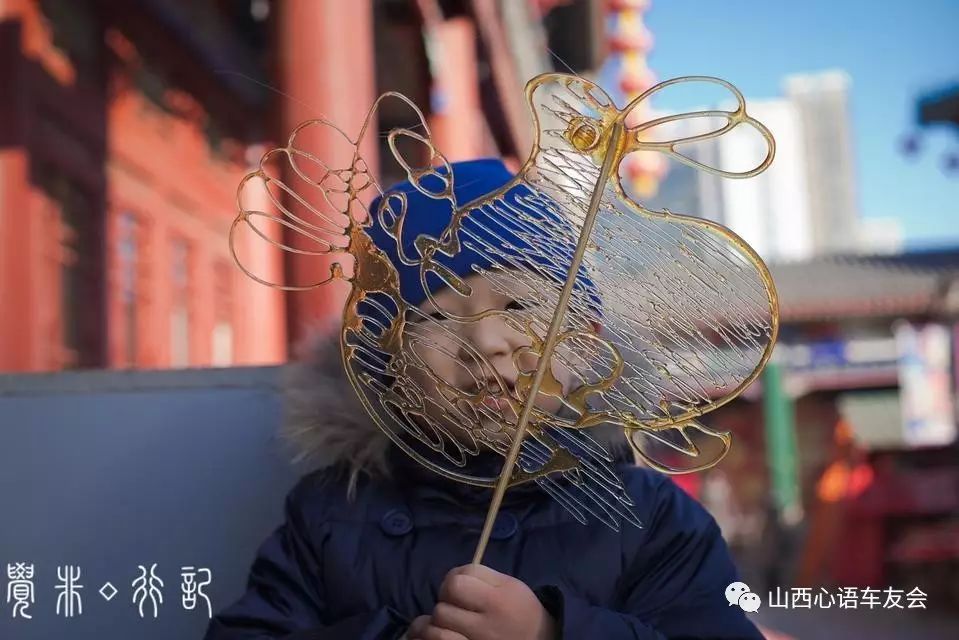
point(749, 602)
point(738, 594)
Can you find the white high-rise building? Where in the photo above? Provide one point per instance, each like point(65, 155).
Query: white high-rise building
point(823, 104)
point(770, 211)
point(803, 205)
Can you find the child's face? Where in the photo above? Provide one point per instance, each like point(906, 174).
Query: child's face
point(492, 337)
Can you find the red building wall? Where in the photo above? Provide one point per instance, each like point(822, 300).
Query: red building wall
point(83, 148)
point(116, 202)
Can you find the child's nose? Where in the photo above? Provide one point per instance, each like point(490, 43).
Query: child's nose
point(491, 337)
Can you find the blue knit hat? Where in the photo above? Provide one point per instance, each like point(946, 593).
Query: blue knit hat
point(526, 231)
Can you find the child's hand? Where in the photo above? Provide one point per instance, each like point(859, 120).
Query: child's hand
point(478, 603)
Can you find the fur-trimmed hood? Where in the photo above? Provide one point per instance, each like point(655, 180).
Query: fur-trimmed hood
point(325, 424)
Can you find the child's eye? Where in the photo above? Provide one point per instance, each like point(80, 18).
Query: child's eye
point(415, 315)
point(515, 305)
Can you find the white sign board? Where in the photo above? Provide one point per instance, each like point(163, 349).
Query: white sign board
point(925, 384)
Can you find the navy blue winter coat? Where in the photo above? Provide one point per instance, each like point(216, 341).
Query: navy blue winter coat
point(363, 567)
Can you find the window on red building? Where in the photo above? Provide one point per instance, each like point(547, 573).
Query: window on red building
point(222, 338)
point(80, 266)
point(129, 265)
point(180, 304)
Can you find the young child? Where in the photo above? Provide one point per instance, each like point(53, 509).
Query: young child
point(374, 546)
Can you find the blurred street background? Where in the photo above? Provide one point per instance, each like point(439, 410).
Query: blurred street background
point(125, 128)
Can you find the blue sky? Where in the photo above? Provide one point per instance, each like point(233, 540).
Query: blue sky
point(893, 51)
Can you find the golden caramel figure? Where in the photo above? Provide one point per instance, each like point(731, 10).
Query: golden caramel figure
point(499, 326)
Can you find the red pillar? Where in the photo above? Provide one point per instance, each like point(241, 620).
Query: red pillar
point(326, 65)
point(509, 87)
point(458, 129)
point(16, 289)
point(261, 330)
